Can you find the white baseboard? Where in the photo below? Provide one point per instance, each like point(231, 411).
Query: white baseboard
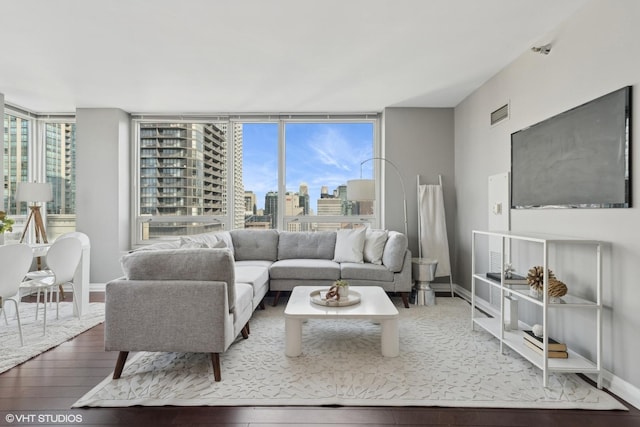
point(616, 385)
point(97, 287)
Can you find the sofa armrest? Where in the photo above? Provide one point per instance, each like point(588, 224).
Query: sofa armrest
point(169, 315)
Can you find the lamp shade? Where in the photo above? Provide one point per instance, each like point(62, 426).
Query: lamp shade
point(34, 192)
point(361, 189)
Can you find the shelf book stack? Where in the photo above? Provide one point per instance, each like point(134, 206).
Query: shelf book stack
point(556, 350)
point(513, 279)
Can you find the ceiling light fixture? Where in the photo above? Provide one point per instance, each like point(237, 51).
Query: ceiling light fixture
point(542, 49)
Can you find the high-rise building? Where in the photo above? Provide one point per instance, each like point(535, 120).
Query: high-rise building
point(238, 185)
point(60, 166)
point(292, 208)
point(16, 146)
point(303, 194)
point(60, 162)
point(328, 204)
point(271, 207)
point(183, 172)
point(250, 203)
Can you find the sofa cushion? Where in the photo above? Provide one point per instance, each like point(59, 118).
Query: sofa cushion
point(349, 245)
point(244, 301)
point(367, 271)
point(310, 245)
point(394, 250)
point(254, 263)
point(255, 244)
point(374, 246)
point(255, 276)
point(305, 269)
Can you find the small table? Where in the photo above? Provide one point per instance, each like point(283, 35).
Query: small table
point(374, 305)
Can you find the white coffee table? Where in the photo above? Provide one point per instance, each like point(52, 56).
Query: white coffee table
point(374, 305)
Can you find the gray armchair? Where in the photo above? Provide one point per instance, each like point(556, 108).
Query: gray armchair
point(176, 300)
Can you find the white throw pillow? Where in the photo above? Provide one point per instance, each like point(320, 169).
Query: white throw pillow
point(374, 246)
point(350, 245)
point(187, 243)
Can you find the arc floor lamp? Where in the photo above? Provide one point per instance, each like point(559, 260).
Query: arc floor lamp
point(34, 193)
point(364, 189)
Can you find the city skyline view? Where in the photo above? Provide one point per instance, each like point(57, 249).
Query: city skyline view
point(317, 154)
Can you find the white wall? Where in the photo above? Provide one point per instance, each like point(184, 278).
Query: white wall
point(594, 53)
point(418, 141)
point(103, 187)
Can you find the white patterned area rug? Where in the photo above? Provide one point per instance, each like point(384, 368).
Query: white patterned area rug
point(441, 363)
point(59, 330)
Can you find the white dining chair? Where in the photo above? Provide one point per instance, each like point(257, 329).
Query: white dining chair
point(15, 261)
point(84, 239)
point(62, 261)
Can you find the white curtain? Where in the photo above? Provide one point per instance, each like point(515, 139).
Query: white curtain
point(433, 228)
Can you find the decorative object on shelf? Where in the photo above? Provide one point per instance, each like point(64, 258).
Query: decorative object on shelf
point(537, 330)
point(552, 344)
point(535, 279)
point(511, 313)
point(508, 270)
point(557, 289)
point(515, 279)
point(555, 350)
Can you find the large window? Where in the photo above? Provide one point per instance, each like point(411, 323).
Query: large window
point(259, 173)
point(227, 174)
point(60, 170)
point(182, 178)
point(17, 134)
point(320, 159)
point(41, 150)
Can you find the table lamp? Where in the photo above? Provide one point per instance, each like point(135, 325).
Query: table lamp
point(34, 192)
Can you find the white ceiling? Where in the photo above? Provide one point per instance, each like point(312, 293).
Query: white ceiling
point(190, 56)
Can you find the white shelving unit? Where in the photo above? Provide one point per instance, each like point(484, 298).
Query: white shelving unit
point(514, 339)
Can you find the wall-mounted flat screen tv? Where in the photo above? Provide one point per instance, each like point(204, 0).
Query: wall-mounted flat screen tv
point(578, 159)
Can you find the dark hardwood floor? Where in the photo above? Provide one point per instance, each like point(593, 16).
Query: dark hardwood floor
point(44, 388)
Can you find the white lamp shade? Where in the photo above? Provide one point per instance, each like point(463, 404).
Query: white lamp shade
point(34, 192)
point(361, 189)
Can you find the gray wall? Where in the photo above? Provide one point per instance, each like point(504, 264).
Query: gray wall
point(103, 187)
point(418, 141)
point(594, 53)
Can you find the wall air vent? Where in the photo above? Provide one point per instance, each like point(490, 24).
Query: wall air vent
point(500, 114)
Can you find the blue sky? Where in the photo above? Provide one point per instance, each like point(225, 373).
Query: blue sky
point(316, 153)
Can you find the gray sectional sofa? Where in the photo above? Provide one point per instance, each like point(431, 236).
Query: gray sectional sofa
point(198, 294)
point(280, 260)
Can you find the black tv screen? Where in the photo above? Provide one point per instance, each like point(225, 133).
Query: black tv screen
point(578, 159)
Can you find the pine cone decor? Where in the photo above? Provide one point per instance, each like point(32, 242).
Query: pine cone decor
point(535, 277)
point(557, 288)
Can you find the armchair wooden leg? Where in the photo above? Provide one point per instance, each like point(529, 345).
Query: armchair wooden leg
point(275, 299)
point(215, 360)
point(122, 358)
point(261, 305)
point(247, 326)
point(405, 299)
